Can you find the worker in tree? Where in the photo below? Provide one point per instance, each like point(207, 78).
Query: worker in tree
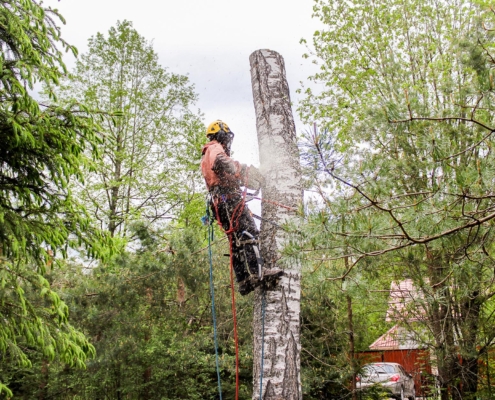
point(224, 177)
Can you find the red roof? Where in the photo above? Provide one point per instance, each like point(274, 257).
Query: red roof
point(397, 338)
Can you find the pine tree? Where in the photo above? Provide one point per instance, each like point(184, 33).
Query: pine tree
point(44, 148)
point(405, 157)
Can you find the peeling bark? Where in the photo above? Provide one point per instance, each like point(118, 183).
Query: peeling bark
point(279, 163)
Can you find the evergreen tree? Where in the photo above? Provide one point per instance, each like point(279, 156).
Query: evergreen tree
point(153, 339)
point(44, 149)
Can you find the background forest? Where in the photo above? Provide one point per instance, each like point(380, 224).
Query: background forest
point(104, 267)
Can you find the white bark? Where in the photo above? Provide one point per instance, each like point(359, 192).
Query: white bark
point(279, 163)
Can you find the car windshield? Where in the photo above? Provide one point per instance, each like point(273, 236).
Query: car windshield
point(378, 369)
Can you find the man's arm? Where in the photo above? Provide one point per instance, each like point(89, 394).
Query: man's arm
point(223, 164)
point(251, 177)
point(248, 176)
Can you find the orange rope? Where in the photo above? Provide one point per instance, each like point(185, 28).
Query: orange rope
point(275, 203)
point(233, 226)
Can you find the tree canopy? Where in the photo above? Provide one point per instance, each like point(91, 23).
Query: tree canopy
point(403, 162)
point(152, 134)
point(43, 149)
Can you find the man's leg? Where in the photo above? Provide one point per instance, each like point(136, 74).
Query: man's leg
point(248, 234)
point(252, 249)
point(225, 210)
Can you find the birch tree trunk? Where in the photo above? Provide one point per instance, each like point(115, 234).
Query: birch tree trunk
point(279, 159)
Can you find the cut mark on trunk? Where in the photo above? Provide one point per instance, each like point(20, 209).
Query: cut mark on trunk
point(291, 376)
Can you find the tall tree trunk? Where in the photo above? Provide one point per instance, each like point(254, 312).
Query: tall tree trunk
point(43, 392)
point(181, 292)
point(470, 319)
point(145, 394)
point(441, 321)
point(113, 190)
point(279, 159)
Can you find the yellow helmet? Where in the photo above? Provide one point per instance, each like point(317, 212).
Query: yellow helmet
point(217, 126)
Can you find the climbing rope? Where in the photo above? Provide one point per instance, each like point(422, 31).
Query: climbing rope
point(212, 292)
point(275, 203)
point(234, 315)
point(233, 226)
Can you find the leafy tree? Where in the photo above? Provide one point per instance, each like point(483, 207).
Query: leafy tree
point(149, 165)
point(405, 159)
point(340, 319)
point(151, 341)
point(43, 149)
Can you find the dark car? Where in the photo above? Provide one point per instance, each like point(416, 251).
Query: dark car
point(390, 377)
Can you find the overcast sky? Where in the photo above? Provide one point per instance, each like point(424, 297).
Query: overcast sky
point(210, 41)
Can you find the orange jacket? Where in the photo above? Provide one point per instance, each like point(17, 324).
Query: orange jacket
point(219, 169)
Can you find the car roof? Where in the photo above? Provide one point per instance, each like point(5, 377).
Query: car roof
point(383, 363)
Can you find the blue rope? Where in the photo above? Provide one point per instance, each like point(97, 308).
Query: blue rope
point(212, 291)
point(263, 307)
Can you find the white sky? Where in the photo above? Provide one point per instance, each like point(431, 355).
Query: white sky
point(210, 41)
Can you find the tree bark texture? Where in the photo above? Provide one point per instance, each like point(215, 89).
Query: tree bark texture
point(279, 164)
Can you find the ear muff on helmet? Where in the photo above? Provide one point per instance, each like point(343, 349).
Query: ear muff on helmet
point(224, 137)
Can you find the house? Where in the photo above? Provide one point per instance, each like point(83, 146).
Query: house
point(399, 344)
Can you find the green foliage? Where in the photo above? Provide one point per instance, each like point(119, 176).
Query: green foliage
point(327, 366)
point(404, 165)
point(150, 159)
point(153, 336)
point(43, 149)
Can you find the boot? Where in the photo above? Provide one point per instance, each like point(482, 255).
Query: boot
point(245, 287)
point(270, 277)
point(272, 274)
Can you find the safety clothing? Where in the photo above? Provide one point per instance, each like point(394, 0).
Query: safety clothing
point(223, 177)
point(219, 169)
point(245, 259)
point(217, 126)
